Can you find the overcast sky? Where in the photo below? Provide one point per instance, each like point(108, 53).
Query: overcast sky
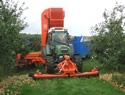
point(80, 15)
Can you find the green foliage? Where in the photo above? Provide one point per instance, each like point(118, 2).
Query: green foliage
point(89, 64)
point(32, 40)
point(108, 42)
point(11, 24)
point(119, 78)
point(29, 43)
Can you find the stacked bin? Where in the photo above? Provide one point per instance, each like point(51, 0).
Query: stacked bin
point(80, 46)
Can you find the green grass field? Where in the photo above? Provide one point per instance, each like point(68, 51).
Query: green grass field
point(21, 84)
point(68, 86)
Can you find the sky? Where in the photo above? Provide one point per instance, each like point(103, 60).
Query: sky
point(80, 15)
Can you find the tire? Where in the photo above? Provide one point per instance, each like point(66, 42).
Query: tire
point(72, 49)
point(50, 64)
point(78, 60)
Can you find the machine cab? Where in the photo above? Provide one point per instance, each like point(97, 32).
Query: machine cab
point(58, 36)
point(57, 42)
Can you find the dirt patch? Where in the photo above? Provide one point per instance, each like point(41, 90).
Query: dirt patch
point(121, 87)
point(108, 77)
point(16, 81)
point(2, 86)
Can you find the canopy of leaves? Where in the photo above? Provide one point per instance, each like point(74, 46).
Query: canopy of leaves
point(30, 43)
point(11, 24)
point(108, 43)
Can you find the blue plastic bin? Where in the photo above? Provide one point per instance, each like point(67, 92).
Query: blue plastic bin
point(80, 47)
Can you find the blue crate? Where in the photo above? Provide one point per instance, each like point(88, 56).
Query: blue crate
point(80, 47)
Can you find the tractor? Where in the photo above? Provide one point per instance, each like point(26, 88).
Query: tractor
point(57, 46)
point(57, 53)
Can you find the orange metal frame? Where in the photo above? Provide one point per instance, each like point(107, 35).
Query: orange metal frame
point(31, 58)
point(51, 17)
point(66, 69)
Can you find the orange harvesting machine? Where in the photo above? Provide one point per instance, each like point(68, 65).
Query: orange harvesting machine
point(57, 53)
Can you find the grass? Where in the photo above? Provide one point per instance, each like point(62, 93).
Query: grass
point(23, 85)
point(117, 76)
point(68, 86)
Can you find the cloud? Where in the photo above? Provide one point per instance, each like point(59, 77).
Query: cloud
point(80, 15)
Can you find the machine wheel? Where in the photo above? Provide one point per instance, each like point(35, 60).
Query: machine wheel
point(50, 64)
point(72, 49)
point(78, 61)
